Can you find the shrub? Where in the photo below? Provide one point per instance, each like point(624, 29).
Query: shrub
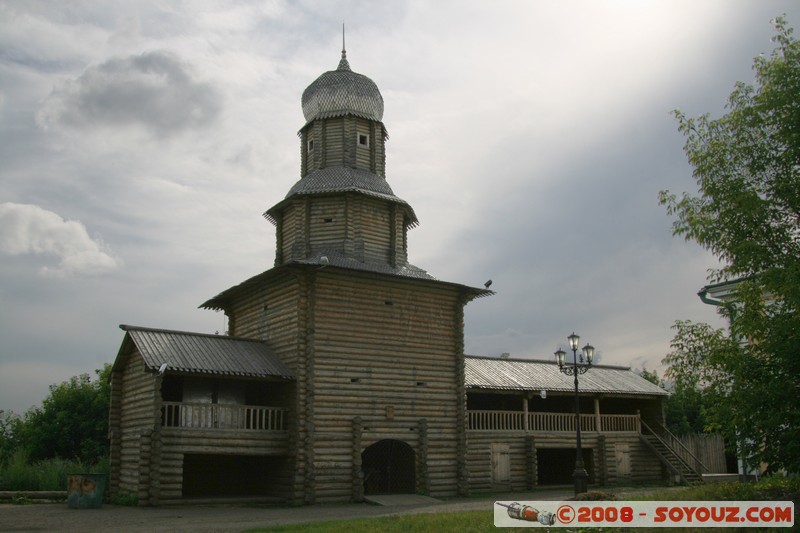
point(124, 498)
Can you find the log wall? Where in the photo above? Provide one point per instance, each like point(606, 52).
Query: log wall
point(277, 311)
point(332, 133)
point(175, 443)
point(146, 460)
point(360, 227)
point(288, 226)
point(132, 420)
point(385, 351)
point(114, 431)
point(644, 466)
point(327, 224)
point(370, 228)
point(335, 142)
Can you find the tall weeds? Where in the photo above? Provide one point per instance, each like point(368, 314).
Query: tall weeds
point(49, 474)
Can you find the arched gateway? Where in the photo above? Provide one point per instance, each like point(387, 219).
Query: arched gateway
point(389, 467)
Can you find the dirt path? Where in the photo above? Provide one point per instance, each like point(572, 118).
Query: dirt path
point(227, 518)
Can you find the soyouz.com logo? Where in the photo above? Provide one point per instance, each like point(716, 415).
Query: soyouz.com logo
point(643, 514)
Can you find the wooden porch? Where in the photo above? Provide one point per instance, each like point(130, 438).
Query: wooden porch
point(493, 420)
point(223, 417)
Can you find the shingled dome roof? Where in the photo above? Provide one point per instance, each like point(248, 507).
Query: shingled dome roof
point(339, 180)
point(342, 92)
point(342, 179)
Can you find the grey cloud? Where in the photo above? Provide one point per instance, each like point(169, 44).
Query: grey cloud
point(155, 90)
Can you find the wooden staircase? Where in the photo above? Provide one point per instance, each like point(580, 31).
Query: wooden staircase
point(673, 455)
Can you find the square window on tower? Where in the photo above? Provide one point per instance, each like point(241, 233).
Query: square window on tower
point(363, 140)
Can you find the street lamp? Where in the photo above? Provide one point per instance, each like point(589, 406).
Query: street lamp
point(587, 353)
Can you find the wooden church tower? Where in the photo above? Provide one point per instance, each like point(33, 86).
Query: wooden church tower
point(344, 374)
point(376, 344)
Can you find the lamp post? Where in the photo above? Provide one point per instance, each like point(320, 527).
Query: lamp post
point(587, 352)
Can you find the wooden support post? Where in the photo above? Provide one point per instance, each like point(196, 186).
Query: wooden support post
point(358, 474)
point(532, 469)
point(525, 413)
point(309, 482)
point(602, 460)
point(461, 402)
point(423, 480)
point(597, 415)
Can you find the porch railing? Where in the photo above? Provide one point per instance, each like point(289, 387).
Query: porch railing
point(550, 422)
point(223, 416)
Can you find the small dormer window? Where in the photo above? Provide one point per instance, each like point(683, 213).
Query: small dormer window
point(363, 140)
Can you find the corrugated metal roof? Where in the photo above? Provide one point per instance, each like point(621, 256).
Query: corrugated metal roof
point(206, 354)
point(533, 375)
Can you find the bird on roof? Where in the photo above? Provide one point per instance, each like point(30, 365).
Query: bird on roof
point(488, 284)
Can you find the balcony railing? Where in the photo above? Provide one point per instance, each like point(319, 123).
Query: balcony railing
point(223, 416)
point(550, 422)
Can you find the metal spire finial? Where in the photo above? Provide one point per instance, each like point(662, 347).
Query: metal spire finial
point(343, 64)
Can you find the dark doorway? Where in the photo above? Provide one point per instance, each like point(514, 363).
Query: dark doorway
point(389, 468)
point(229, 475)
point(556, 465)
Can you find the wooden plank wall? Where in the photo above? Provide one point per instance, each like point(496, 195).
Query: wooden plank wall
point(479, 460)
point(710, 449)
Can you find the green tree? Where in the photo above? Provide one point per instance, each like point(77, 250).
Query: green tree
point(747, 213)
point(684, 409)
point(10, 423)
point(72, 422)
point(651, 376)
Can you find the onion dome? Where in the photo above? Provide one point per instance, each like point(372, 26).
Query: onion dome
point(342, 92)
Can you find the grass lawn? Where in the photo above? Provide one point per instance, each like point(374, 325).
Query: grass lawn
point(471, 521)
point(772, 489)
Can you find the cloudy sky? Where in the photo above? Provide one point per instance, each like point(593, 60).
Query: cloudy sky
point(140, 142)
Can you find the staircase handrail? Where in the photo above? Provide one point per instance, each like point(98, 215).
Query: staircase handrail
point(668, 447)
point(673, 438)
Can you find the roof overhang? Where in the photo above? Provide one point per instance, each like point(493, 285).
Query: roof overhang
point(531, 375)
point(181, 352)
point(222, 301)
